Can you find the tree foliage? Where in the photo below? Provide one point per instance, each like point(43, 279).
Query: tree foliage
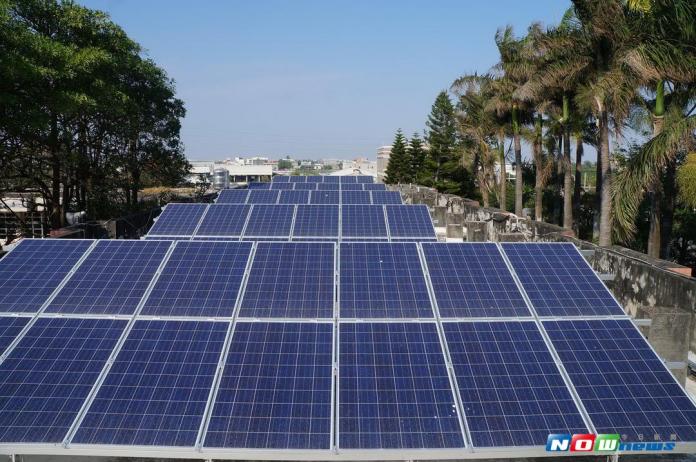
point(399, 167)
point(85, 119)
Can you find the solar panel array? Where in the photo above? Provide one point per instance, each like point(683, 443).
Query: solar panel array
point(347, 179)
point(433, 350)
point(302, 222)
point(309, 196)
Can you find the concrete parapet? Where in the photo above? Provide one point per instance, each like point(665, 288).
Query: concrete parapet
point(439, 215)
point(669, 333)
point(455, 231)
point(511, 237)
point(476, 231)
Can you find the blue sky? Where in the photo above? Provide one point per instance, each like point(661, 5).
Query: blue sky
point(315, 79)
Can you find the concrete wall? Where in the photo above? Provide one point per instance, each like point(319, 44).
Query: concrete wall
point(647, 288)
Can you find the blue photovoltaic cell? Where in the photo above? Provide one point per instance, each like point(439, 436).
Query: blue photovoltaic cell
point(112, 279)
point(410, 221)
point(224, 220)
point(356, 197)
point(363, 221)
point(387, 197)
point(624, 386)
point(559, 281)
point(305, 186)
point(280, 179)
point(275, 390)
point(232, 196)
point(374, 187)
point(332, 179)
point(325, 197)
point(199, 279)
point(282, 186)
point(259, 185)
point(472, 280)
point(351, 187)
point(263, 196)
point(178, 220)
point(270, 221)
point(315, 179)
point(316, 221)
point(364, 179)
point(348, 179)
point(156, 391)
point(294, 280)
point(10, 327)
point(31, 271)
point(394, 391)
point(328, 186)
point(512, 391)
point(294, 197)
point(298, 179)
point(46, 378)
point(380, 280)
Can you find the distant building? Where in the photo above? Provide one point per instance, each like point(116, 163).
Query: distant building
point(383, 154)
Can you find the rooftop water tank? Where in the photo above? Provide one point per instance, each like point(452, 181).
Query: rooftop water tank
point(221, 178)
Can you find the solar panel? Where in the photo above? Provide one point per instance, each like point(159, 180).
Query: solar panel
point(351, 187)
point(624, 386)
point(261, 196)
point(510, 386)
point(293, 280)
point(472, 280)
point(199, 279)
point(332, 179)
point(374, 187)
point(315, 179)
point(364, 179)
point(112, 279)
point(328, 187)
point(387, 197)
point(306, 186)
point(558, 280)
point(275, 390)
point(269, 221)
point(394, 390)
point(156, 391)
point(347, 179)
point(316, 221)
point(363, 221)
point(224, 220)
point(406, 221)
point(232, 196)
point(381, 280)
point(178, 220)
point(325, 197)
point(10, 327)
point(282, 186)
point(31, 271)
point(294, 197)
point(48, 375)
point(298, 179)
point(355, 197)
point(259, 185)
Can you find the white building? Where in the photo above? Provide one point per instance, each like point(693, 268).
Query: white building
point(383, 154)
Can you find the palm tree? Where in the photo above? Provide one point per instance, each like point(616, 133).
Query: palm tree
point(665, 55)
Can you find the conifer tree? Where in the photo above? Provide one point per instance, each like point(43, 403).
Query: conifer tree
point(441, 137)
point(399, 166)
point(417, 156)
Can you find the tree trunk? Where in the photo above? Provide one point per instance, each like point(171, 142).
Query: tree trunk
point(558, 185)
point(668, 210)
point(56, 212)
point(538, 167)
point(655, 189)
point(578, 183)
point(598, 198)
point(503, 173)
point(518, 161)
point(605, 211)
point(567, 173)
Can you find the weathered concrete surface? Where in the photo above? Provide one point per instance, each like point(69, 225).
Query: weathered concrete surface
point(476, 231)
point(669, 334)
point(439, 215)
point(511, 237)
point(455, 231)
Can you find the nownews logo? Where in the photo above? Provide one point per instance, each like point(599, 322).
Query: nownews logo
point(600, 443)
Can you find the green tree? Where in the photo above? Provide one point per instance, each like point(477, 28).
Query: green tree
point(399, 167)
point(442, 159)
point(417, 155)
